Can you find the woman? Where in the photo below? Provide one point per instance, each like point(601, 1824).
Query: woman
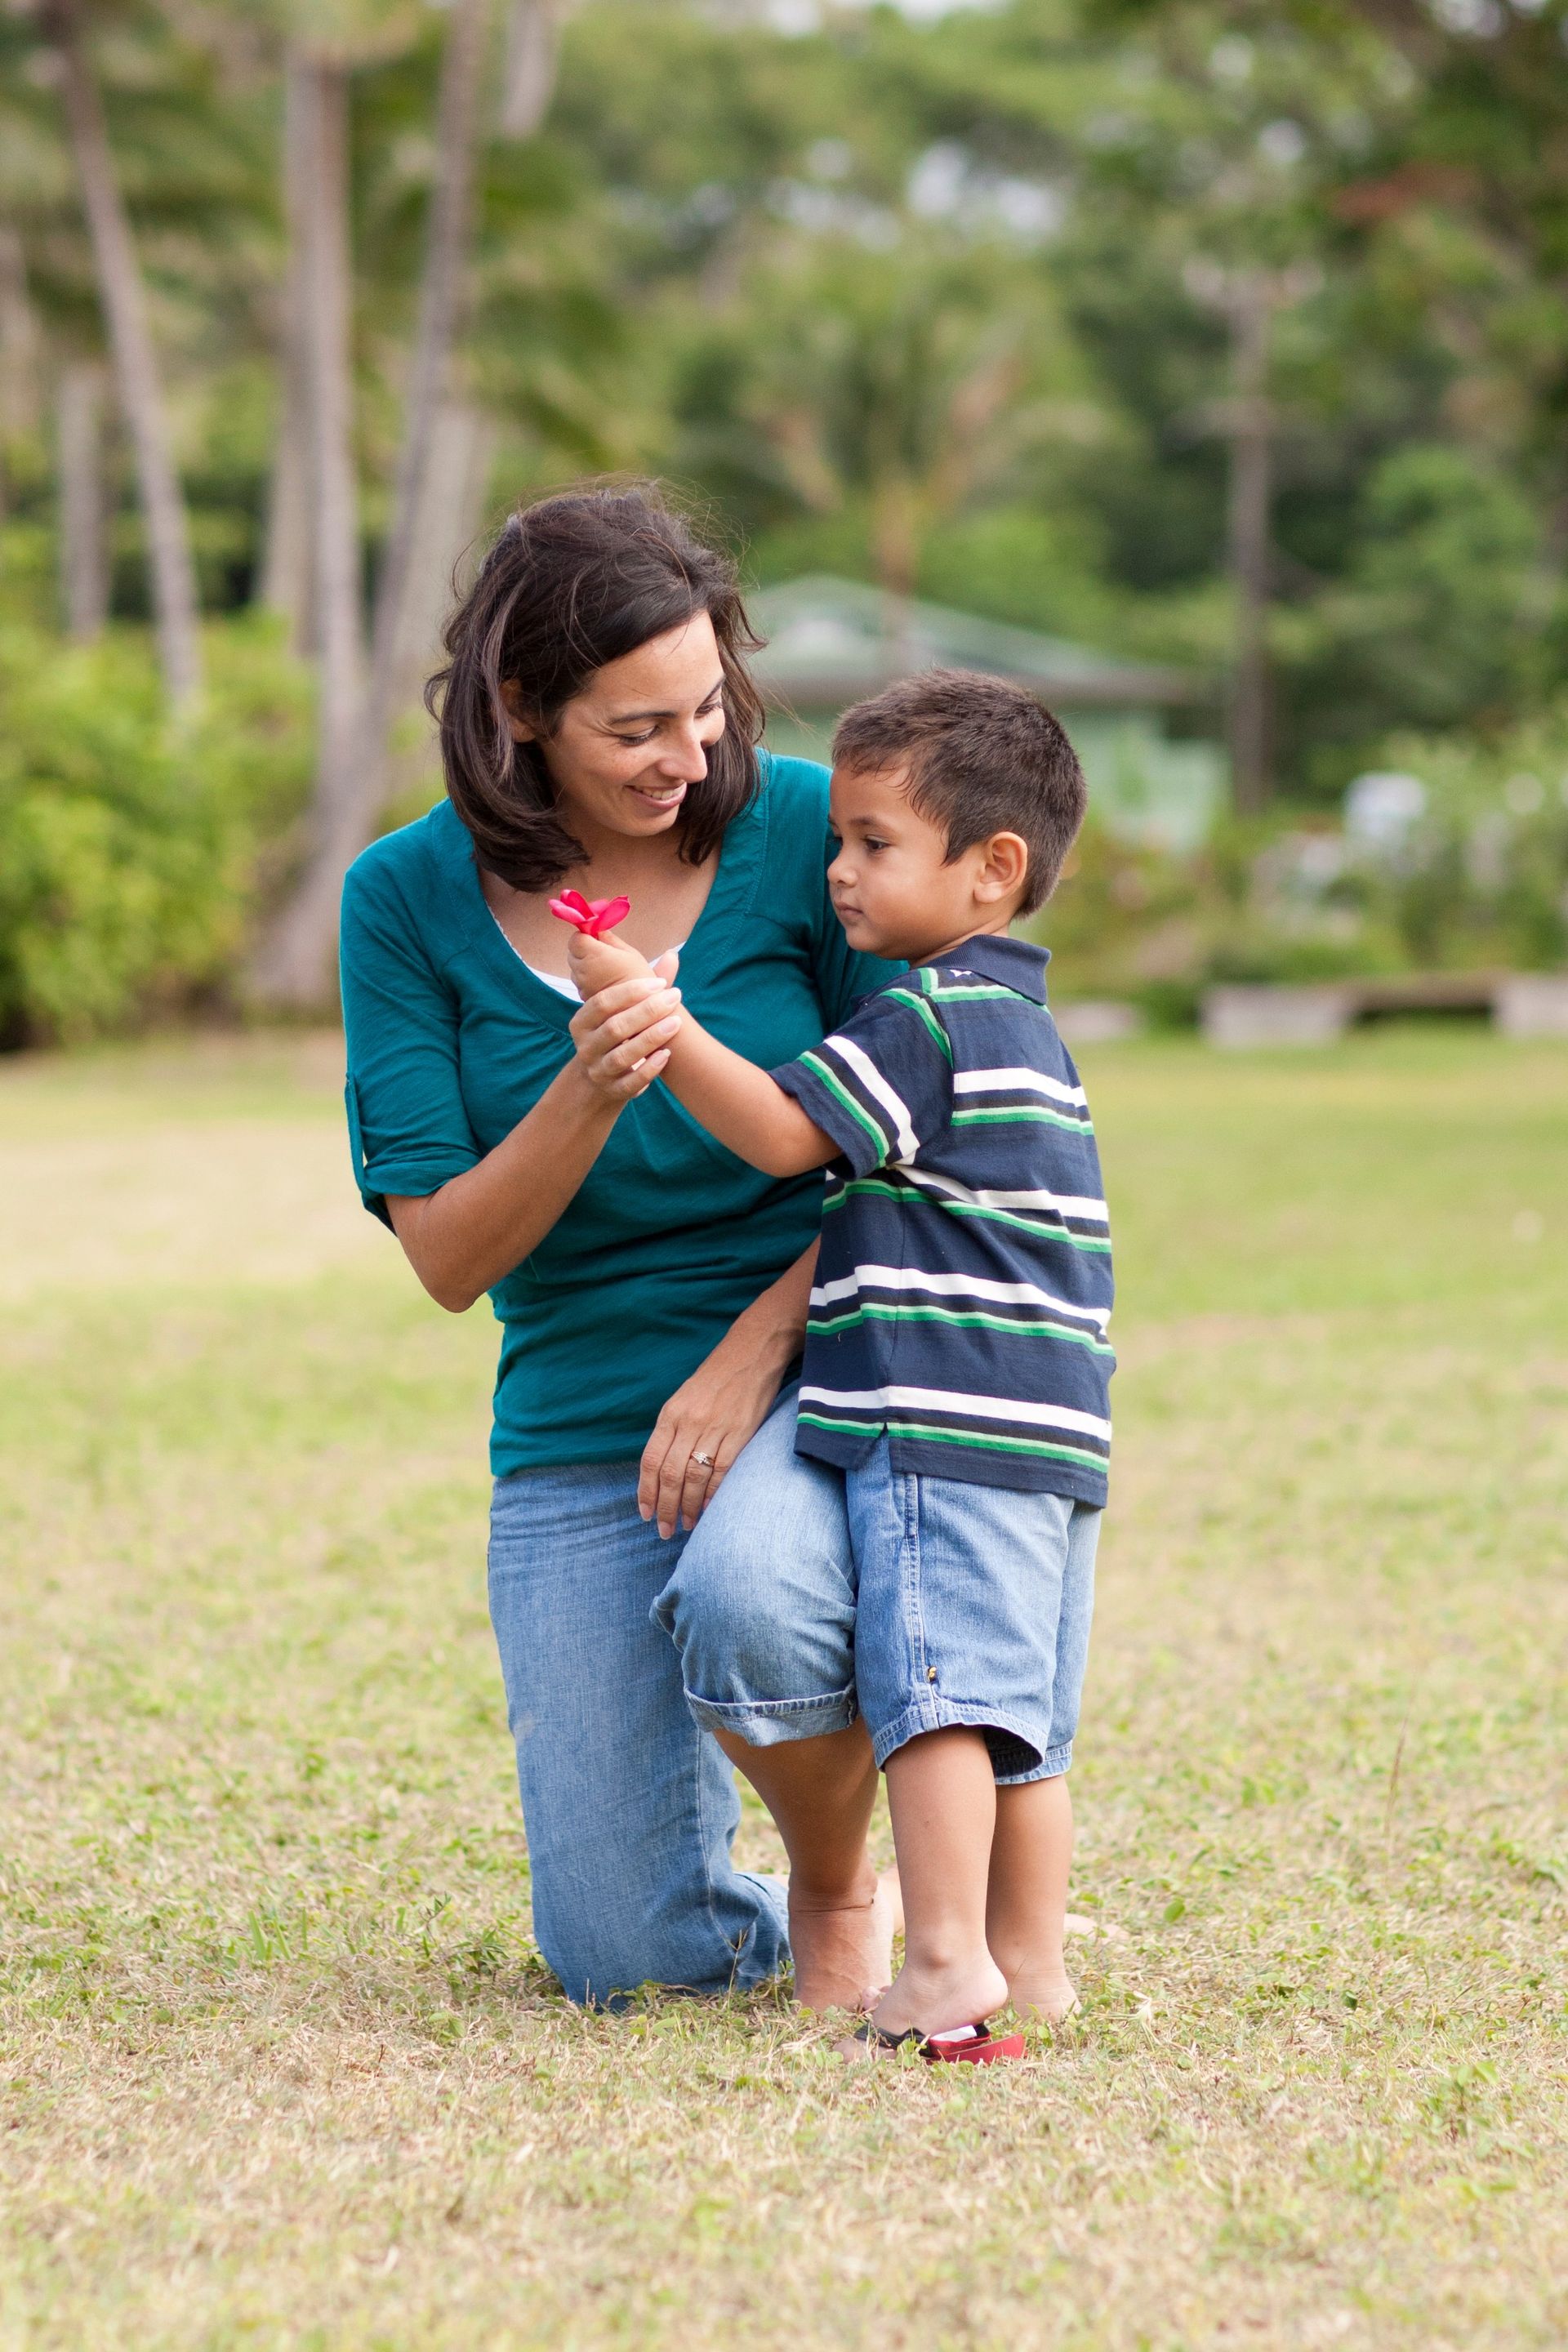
point(599, 732)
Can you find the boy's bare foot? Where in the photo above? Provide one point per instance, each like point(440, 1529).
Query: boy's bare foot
point(1048, 1994)
point(934, 2000)
point(843, 1950)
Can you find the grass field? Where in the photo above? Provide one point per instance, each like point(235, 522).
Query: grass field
point(279, 2065)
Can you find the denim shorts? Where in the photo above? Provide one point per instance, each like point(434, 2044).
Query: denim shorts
point(972, 1607)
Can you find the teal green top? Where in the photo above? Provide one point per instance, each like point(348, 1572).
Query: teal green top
point(451, 1040)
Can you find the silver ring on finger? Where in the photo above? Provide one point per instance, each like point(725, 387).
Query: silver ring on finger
point(703, 1461)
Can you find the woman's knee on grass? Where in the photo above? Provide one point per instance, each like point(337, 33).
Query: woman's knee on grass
point(680, 1938)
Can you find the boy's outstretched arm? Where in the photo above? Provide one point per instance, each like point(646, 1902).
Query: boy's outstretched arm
point(735, 1101)
point(741, 1105)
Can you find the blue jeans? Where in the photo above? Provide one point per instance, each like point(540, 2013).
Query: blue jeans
point(630, 1808)
point(973, 1606)
point(808, 1596)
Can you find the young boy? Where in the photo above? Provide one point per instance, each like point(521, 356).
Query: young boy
point(956, 1361)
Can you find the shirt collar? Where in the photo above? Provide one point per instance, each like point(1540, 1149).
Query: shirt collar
point(1012, 963)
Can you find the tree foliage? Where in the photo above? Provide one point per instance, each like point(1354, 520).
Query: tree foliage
point(938, 301)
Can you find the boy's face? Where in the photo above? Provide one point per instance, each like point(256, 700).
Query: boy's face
point(892, 887)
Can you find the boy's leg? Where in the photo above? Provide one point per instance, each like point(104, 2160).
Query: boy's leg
point(1032, 1856)
point(973, 1621)
point(1026, 1912)
point(941, 1793)
point(942, 1785)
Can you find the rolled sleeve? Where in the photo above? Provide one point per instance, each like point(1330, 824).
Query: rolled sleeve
point(408, 1127)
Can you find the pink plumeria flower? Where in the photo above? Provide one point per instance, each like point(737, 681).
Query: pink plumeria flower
point(590, 916)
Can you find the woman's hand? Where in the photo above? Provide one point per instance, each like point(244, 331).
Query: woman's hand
point(622, 1033)
point(725, 1402)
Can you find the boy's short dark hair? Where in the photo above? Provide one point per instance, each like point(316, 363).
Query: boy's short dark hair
point(983, 756)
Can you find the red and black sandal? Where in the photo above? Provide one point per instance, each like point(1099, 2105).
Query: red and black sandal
point(962, 2045)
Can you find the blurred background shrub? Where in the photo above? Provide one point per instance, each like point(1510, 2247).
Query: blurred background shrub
point(134, 845)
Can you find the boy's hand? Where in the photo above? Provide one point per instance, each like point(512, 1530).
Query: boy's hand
point(734, 1100)
point(596, 963)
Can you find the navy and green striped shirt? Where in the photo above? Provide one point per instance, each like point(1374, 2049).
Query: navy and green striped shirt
point(963, 1288)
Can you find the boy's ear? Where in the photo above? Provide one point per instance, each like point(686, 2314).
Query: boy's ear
point(1003, 868)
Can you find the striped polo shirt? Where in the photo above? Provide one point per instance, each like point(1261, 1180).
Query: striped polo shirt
point(963, 1287)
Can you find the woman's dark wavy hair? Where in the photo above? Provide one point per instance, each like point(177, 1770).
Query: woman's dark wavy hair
point(575, 581)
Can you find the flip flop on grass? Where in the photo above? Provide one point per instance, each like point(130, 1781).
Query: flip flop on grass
point(969, 2045)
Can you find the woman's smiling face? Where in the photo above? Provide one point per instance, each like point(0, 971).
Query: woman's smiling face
point(628, 749)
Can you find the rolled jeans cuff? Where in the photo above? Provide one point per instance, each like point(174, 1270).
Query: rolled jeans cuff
point(934, 1714)
point(774, 1722)
point(1051, 1767)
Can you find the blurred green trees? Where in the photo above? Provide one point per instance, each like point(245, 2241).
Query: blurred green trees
point(954, 302)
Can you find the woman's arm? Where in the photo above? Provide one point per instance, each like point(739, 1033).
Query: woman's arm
point(469, 1234)
point(725, 1402)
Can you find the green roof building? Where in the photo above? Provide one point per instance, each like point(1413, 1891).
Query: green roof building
point(831, 641)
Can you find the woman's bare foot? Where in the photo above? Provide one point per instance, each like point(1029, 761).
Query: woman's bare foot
point(1078, 1923)
point(1047, 1994)
point(842, 1948)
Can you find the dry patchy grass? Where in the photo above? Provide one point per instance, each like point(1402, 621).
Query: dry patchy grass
point(281, 2068)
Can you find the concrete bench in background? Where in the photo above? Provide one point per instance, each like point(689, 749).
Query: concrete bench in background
point(1521, 1004)
point(1533, 1004)
point(1097, 1020)
point(1276, 1016)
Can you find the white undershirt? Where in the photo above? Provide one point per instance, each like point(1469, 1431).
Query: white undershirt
point(561, 981)
point(558, 980)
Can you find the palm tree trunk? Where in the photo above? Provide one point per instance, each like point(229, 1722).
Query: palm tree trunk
point(441, 302)
point(1249, 560)
point(353, 788)
point(285, 585)
point(124, 301)
point(528, 80)
point(447, 517)
point(895, 554)
point(83, 508)
point(293, 967)
point(19, 340)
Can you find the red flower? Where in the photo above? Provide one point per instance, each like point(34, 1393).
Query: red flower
point(590, 916)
